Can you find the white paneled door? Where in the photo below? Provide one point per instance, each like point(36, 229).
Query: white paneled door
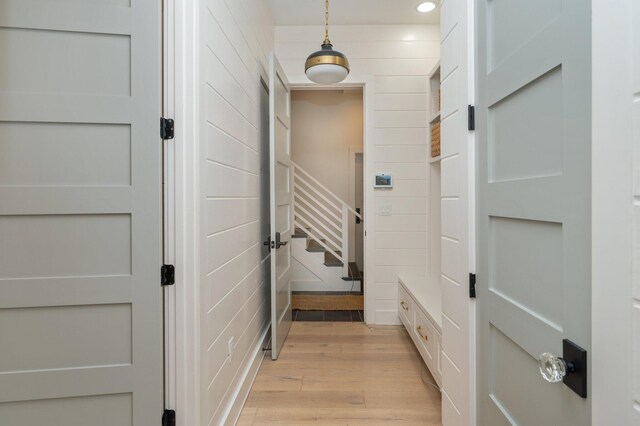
point(281, 204)
point(534, 162)
point(80, 213)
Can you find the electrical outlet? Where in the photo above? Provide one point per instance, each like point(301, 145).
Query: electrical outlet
point(232, 346)
point(385, 210)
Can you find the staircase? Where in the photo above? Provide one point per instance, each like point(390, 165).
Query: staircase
point(320, 245)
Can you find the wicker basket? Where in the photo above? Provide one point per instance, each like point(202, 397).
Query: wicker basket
point(435, 139)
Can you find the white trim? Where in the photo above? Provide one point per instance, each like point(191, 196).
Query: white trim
point(353, 152)
point(612, 368)
point(187, 211)
point(169, 292)
point(471, 208)
point(241, 393)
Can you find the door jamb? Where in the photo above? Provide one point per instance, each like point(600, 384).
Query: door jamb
point(353, 151)
point(168, 203)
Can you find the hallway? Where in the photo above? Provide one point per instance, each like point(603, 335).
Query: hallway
point(343, 374)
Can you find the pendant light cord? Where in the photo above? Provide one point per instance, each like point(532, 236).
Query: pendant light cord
point(326, 22)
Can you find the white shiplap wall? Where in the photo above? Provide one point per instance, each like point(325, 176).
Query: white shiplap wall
point(235, 38)
point(395, 59)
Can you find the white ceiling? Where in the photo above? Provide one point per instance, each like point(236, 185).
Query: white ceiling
point(351, 12)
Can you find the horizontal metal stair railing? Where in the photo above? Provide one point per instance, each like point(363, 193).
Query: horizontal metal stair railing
point(311, 198)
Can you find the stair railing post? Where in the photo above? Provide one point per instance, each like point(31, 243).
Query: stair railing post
point(345, 241)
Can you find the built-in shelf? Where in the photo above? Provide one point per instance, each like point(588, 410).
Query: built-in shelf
point(434, 110)
point(434, 159)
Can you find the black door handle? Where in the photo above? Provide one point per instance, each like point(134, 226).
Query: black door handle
point(279, 243)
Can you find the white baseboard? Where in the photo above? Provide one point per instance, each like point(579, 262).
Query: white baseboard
point(387, 318)
point(248, 377)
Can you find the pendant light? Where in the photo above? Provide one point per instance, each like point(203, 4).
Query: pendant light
point(326, 66)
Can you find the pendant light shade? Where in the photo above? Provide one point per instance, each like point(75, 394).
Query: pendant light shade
point(326, 66)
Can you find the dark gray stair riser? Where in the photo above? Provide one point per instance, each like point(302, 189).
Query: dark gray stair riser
point(315, 247)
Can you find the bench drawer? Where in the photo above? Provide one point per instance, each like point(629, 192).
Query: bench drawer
point(425, 336)
point(405, 307)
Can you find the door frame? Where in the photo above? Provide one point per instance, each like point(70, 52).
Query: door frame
point(366, 83)
point(353, 152)
point(613, 204)
point(182, 209)
point(168, 203)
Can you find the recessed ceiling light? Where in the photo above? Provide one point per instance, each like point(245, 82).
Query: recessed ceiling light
point(425, 7)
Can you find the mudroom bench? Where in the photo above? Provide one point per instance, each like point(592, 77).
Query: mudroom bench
point(420, 312)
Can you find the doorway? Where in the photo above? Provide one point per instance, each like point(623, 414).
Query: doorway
point(327, 180)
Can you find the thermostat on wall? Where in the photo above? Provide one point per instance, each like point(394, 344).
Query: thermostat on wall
point(383, 181)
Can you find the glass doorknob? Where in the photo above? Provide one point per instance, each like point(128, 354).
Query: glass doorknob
point(553, 368)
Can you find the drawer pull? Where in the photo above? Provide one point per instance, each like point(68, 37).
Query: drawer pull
point(404, 306)
point(419, 330)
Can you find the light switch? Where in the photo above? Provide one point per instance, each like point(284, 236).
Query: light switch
point(385, 210)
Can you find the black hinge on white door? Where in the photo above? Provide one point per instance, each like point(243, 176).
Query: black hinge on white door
point(167, 275)
point(472, 286)
point(169, 418)
point(166, 128)
point(471, 118)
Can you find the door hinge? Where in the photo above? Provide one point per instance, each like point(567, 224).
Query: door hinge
point(167, 275)
point(472, 286)
point(169, 418)
point(166, 128)
point(471, 120)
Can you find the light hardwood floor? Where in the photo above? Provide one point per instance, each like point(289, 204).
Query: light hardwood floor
point(332, 373)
